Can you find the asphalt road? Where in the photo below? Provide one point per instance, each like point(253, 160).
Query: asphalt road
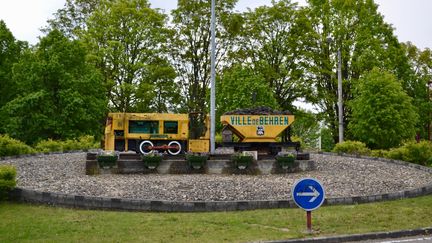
point(417, 239)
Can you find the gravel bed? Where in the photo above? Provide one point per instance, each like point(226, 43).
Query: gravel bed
point(341, 177)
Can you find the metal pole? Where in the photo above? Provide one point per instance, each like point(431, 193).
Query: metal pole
point(341, 129)
point(430, 113)
point(212, 81)
point(309, 221)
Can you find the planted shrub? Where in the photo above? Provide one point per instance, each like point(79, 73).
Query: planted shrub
point(351, 147)
point(429, 162)
point(87, 142)
point(242, 161)
point(82, 143)
point(413, 152)
point(379, 153)
point(10, 146)
point(49, 145)
point(196, 161)
point(107, 159)
point(152, 160)
point(7, 180)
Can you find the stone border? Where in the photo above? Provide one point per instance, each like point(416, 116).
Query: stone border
point(88, 202)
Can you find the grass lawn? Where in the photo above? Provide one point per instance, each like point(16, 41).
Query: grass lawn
point(22, 222)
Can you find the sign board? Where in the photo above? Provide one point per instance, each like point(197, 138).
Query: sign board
point(308, 193)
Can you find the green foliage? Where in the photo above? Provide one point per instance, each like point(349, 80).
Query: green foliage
point(49, 145)
point(272, 44)
point(306, 127)
point(82, 143)
point(351, 147)
point(365, 41)
point(379, 153)
point(7, 180)
point(241, 88)
point(190, 47)
point(126, 38)
point(10, 146)
point(419, 153)
point(327, 141)
point(416, 87)
point(61, 95)
point(10, 53)
point(382, 113)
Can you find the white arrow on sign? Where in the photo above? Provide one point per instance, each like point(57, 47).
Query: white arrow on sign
point(314, 194)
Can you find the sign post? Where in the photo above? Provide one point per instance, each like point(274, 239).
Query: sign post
point(309, 194)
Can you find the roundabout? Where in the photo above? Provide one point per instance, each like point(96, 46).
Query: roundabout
point(60, 179)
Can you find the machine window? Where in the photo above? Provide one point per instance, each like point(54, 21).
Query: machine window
point(170, 127)
point(147, 127)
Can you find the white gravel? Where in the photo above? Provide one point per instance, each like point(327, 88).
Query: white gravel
point(341, 177)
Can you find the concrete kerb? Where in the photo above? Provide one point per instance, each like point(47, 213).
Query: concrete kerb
point(125, 204)
point(360, 237)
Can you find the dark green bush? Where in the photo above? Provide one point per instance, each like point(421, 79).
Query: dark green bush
point(7, 180)
point(10, 146)
point(196, 161)
point(429, 162)
point(351, 147)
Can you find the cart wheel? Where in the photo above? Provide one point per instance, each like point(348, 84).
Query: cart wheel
point(174, 151)
point(144, 147)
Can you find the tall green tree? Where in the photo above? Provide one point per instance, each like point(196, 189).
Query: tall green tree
point(418, 88)
point(365, 41)
point(273, 42)
point(127, 39)
point(190, 47)
point(10, 52)
point(383, 115)
point(72, 19)
point(61, 95)
point(306, 126)
point(240, 88)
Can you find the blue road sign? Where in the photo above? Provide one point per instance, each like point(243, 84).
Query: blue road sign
point(308, 193)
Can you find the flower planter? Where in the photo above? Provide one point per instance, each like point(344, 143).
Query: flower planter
point(107, 160)
point(151, 161)
point(286, 162)
point(242, 161)
point(196, 161)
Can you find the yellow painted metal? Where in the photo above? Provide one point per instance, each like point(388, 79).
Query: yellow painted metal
point(257, 128)
point(199, 145)
point(120, 122)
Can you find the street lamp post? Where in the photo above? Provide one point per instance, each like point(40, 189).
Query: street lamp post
point(212, 80)
point(341, 128)
point(340, 105)
point(430, 112)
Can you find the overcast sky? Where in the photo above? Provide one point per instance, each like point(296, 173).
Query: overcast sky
point(410, 18)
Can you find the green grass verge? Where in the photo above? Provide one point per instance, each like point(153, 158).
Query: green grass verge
point(27, 223)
